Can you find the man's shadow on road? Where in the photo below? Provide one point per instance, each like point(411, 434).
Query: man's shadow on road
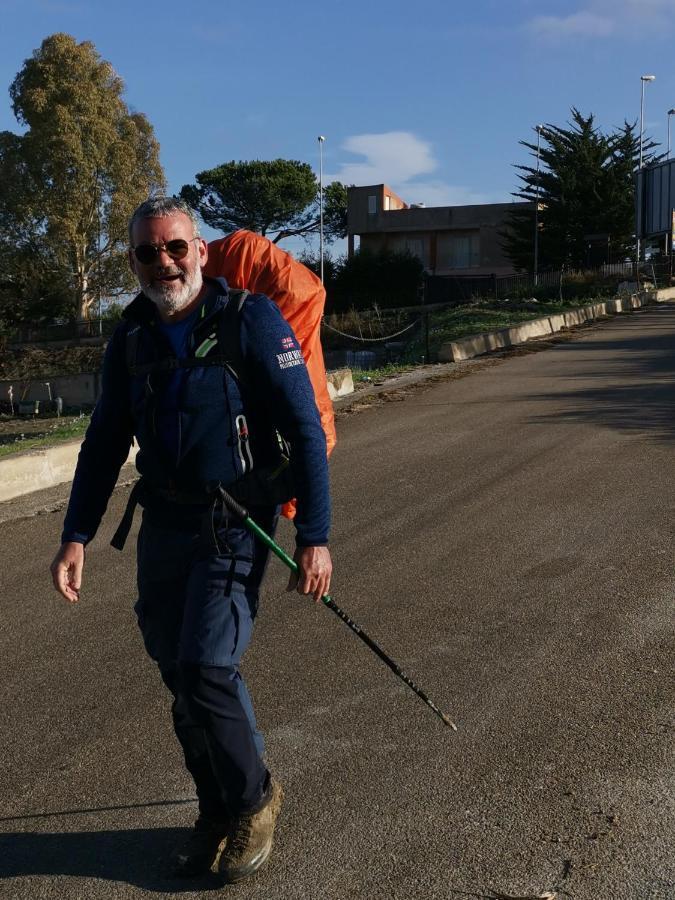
point(138, 856)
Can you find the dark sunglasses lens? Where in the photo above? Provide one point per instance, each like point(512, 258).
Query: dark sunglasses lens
point(177, 249)
point(149, 253)
point(146, 253)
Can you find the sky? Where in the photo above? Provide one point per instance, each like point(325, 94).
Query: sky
point(431, 97)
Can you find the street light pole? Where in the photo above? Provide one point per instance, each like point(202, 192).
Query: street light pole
point(643, 80)
point(536, 211)
point(671, 112)
point(321, 140)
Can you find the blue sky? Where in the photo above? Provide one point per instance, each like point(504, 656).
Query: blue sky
point(430, 96)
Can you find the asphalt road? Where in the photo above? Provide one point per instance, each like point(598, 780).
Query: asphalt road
point(508, 537)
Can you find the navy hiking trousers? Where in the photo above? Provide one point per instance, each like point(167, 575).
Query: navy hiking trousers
point(196, 607)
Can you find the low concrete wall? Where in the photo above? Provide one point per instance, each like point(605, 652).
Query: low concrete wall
point(75, 390)
point(477, 344)
point(340, 382)
point(27, 472)
point(665, 294)
point(38, 469)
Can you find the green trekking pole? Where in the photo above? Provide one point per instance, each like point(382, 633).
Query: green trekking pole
point(242, 513)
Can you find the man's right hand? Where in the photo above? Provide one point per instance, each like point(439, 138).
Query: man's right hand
point(67, 570)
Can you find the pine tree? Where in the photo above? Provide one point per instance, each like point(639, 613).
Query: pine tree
point(277, 198)
point(585, 192)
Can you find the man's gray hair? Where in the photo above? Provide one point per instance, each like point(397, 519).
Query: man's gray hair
point(159, 208)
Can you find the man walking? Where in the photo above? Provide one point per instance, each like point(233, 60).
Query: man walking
point(206, 380)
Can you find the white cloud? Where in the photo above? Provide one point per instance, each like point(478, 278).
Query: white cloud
point(395, 156)
point(605, 18)
point(401, 159)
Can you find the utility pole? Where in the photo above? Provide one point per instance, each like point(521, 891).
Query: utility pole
point(643, 80)
point(321, 140)
point(536, 211)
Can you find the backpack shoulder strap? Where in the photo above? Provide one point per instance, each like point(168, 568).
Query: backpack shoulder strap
point(229, 334)
point(131, 350)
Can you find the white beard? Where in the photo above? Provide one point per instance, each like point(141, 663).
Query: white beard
point(171, 298)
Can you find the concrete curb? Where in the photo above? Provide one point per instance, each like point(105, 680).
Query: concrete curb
point(477, 344)
point(39, 469)
point(340, 383)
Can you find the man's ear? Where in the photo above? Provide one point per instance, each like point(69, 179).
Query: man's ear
point(203, 250)
point(132, 260)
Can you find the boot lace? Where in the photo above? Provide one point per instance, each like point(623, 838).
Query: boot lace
point(242, 836)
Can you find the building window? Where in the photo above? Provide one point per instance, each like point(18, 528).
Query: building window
point(463, 251)
point(387, 202)
point(372, 204)
point(415, 247)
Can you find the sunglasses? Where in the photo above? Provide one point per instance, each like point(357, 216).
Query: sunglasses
point(149, 253)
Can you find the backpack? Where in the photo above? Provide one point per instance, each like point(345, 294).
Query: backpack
point(248, 260)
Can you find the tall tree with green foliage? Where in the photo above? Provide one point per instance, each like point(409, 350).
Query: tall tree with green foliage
point(69, 183)
point(334, 211)
point(585, 192)
point(278, 196)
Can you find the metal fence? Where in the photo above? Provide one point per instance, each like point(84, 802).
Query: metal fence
point(458, 289)
point(373, 338)
point(86, 330)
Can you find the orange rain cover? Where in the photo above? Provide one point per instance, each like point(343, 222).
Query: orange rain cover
point(248, 260)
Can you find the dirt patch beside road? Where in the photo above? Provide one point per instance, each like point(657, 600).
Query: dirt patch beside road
point(21, 429)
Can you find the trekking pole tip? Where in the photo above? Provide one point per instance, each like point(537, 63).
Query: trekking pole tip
point(448, 721)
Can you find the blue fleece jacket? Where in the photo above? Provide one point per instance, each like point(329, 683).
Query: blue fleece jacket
point(193, 445)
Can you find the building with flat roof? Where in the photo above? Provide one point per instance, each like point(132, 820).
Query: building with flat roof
point(655, 203)
point(449, 240)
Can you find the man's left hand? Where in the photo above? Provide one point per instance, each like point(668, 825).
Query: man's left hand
point(315, 568)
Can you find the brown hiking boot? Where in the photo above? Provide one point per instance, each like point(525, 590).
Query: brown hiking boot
point(250, 839)
point(200, 850)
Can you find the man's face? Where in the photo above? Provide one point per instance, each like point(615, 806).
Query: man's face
point(171, 284)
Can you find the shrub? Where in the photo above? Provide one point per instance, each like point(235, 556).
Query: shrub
point(383, 279)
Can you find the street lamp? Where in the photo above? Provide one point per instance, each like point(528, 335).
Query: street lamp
point(321, 140)
point(643, 80)
point(671, 112)
point(538, 129)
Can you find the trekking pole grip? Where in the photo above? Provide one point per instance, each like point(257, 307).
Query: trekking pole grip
point(242, 513)
point(232, 505)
